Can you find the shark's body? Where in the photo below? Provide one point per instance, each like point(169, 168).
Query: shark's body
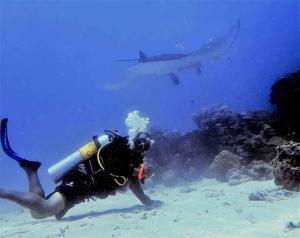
point(165, 57)
point(171, 64)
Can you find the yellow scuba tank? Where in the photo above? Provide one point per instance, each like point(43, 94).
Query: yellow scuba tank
point(59, 169)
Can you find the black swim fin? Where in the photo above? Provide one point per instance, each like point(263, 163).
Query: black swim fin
point(10, 152)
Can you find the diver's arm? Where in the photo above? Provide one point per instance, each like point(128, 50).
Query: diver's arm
point(137, 190)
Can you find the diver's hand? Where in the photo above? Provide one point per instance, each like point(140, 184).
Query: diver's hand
point(153, 204)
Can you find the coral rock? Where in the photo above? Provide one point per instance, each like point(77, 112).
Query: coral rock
point(286, 166)
point(286, 96)
point(260, 170)
point(222, 163)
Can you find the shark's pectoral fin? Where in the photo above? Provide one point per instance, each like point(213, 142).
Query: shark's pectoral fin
point(199, 69)
point(217, 47)
point(174, 78)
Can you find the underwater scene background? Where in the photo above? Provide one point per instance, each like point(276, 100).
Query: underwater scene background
point(56, 57)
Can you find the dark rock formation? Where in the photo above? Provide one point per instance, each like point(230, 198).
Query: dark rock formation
point(286, 96)
point(286, 166)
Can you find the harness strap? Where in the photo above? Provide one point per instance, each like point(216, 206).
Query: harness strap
point(116, 177)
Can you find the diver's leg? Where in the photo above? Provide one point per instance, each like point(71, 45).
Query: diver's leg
point(31, 169)
point(39, 207)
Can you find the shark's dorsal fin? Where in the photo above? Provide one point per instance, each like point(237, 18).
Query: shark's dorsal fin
point(142, 56)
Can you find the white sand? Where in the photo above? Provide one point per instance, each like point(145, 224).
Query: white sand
point(201, 209)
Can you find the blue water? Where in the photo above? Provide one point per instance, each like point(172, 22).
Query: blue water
point(56, 55)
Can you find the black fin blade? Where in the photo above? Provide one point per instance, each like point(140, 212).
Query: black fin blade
point(5, 143)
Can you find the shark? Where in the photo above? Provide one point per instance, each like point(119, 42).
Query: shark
point(171, 64)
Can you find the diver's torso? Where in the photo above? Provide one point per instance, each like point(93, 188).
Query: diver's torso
point(90, 180)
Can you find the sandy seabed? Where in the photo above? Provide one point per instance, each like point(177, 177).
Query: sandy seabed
point(200, 209)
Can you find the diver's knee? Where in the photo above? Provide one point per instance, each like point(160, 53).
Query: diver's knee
point(56, 202)
point(49, 207)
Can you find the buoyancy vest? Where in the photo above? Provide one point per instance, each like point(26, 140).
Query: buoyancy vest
point(115, 159)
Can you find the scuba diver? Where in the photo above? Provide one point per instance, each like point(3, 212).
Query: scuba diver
point(107, 164)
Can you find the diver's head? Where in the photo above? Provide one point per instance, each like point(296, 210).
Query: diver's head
point(142, 142)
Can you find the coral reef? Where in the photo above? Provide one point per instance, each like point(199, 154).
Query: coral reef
point(286, 166)
point(286, 96)
point(246, 135)
point(249, 137)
